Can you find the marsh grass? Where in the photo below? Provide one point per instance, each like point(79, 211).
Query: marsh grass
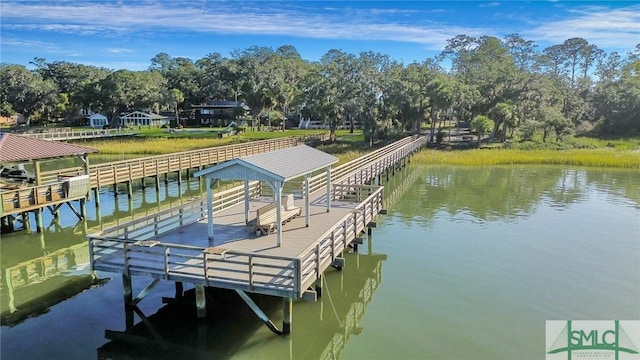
point(155, 146)
point(157, 142)
point(600, 157)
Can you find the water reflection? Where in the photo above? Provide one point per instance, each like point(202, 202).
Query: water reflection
point(39, 270)
point(510, 192)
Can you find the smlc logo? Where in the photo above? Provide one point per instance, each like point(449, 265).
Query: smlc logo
point(591, 339)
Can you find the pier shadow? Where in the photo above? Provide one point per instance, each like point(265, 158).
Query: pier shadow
point(319, 329)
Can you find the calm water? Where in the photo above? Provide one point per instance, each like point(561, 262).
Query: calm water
point(468, 264)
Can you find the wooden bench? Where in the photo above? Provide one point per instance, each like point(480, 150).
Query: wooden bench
point(289, 210)
point(265, 220)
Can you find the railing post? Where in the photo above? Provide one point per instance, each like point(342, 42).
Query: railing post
point(250, 272)
point(166, 262)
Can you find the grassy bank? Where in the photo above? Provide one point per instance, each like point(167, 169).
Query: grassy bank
point(599, 157)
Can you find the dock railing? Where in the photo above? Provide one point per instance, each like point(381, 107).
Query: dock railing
point(131, 249)
point(151, 226)
point(66, 135)
point(316, 258)
point(133, 169)
point(23, 199)
point(369, 164)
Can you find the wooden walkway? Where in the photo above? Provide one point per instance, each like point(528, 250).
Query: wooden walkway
point(67, 135)
point(21, 199)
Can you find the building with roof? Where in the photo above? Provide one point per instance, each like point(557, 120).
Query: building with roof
point(98, 121)
point(43, 189)
point(218, 112)
point(139, 118)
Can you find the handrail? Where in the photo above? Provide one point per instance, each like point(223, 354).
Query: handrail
point(79, 134)
point(405, 145)
point(124, 170)
point(184, 213)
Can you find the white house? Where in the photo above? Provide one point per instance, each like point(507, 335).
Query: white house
point(98, 121)
point(139, 118)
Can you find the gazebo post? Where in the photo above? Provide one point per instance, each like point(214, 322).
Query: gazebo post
point(209, 209)
point(328, 188)
point(307, 206)
point(246, 201)
point(278, 190)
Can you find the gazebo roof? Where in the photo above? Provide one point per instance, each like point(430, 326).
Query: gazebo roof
point(16, 148)
point(280, 165)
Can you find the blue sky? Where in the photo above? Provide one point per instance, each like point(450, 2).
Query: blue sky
point(127, 34)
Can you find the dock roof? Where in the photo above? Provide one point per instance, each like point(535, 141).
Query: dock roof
point(279, 165)
point(17, 148)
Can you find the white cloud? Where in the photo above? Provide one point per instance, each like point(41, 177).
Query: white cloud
point(604, 27)
point(122, 19)
point(118, 50)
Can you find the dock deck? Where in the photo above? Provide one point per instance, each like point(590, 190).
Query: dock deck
point(174, 245)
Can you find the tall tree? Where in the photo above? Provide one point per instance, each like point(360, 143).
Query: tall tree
point(27, 92)
point(481, 124)
point(125, 90)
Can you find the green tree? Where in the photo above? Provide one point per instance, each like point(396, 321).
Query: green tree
point(126, 90)
point(176, 97)
point(481, 124)
point(79, 83)
point(27, 92)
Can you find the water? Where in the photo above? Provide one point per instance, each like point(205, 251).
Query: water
point(468, 264)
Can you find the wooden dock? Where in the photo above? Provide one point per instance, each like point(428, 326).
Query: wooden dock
point(237, 258)
point(174, 244)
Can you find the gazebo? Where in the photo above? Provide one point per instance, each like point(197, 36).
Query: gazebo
point(274, 168)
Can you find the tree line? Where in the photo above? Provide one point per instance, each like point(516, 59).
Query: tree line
point(505, 87)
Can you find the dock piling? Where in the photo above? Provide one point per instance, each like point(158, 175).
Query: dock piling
point(287, 309)
point(201, 301)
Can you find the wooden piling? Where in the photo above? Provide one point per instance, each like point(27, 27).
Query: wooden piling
point(39, 222)
point(127, 291)
point(319, 286)
point(26, 221)
point(96, 196)
point(287, 309)
point(201, 301)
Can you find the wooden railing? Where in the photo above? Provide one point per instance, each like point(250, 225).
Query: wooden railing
point(131, 250)
point(127, 170)
point(79, 134)
point(369, 163)
point(315, 259)
point(151, 226)
point(26, 199)
point(23, 199)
